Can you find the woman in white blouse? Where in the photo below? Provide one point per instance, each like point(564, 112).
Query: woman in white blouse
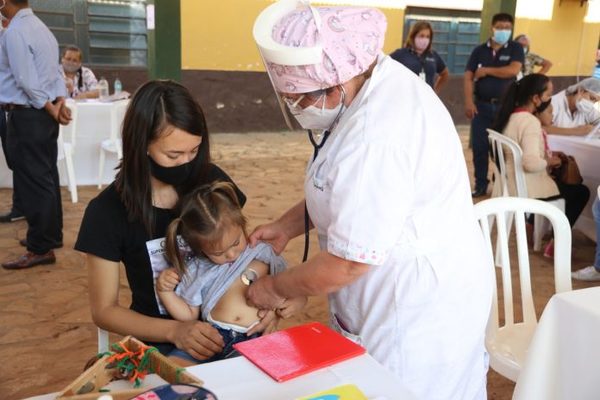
point(81, 81)
point(401, 255)
point(575, 111)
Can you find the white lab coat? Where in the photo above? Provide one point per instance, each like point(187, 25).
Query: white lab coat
point(563, 118)
point(390, 188)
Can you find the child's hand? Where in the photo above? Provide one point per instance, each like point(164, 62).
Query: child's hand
point(291, 307)
point(167, 281)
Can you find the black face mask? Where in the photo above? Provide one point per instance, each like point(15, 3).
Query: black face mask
point(175, 176)
point(543, 106)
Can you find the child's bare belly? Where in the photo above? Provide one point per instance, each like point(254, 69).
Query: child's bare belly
point(232, 307)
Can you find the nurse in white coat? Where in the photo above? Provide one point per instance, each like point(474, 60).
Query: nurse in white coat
point(401, 255)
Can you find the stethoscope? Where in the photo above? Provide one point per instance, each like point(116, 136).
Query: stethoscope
point(317, 146)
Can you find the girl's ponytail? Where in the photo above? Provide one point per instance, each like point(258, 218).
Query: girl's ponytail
point(172, 251)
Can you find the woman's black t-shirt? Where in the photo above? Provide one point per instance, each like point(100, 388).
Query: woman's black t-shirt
point(107, 233)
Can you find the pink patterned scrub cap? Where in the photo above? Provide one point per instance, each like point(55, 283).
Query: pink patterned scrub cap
point(351, 39)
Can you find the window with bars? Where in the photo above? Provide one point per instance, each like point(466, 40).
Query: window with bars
point(109, 32)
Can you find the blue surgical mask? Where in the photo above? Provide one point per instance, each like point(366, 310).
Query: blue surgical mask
point(501, 36)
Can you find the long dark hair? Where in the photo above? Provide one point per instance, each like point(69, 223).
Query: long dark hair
point(205, 214)
point(155, 106)
point(519, 93)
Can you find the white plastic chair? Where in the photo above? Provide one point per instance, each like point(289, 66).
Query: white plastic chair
point(499, 142)
point(113, 144)
point(507, 344)
point(102, 340)
point(66, 144)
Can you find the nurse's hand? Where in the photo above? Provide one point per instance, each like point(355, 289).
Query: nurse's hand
point(273, 233)
point(262, 295)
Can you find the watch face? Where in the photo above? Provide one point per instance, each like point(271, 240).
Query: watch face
point(249, 276)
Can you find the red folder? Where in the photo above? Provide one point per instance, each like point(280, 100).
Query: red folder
point(295, 351)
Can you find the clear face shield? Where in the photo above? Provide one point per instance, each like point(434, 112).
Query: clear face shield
point(277, 53)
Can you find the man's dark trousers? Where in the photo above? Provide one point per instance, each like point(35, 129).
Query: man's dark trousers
point(486, 112)
point(32, 143)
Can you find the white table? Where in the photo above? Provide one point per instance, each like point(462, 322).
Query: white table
point(563, 361)
point(587, 154)
point(93, 126)
point(238, 378)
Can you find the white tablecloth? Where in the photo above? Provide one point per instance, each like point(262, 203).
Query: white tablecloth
point(587, 154)
point(93, 126)
point(563, 361)
point(238, 378)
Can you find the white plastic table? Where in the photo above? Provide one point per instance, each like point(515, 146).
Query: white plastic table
point(563, 360)
point(238, 378)
point(93, 126)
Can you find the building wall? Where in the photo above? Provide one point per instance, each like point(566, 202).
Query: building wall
point(222, 67)
point(217, 34)
point(566, 40)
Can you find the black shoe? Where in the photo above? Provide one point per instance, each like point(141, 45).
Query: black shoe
point(12, 216)
point(23, 242)
point(479, 192)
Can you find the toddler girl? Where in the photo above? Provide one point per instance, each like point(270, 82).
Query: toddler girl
point(211, 280)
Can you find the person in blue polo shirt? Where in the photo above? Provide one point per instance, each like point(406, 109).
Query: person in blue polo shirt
point(418, 56)
point(491, 68)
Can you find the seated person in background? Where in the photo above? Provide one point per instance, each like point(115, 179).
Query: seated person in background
point(574, 109)
point(211, 281)
point(418, 56)
point(81, 81)
point(532, 60)
point(592, 273)
point(525, 108)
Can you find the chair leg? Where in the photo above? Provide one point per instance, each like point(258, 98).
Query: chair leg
point(539, 225)
point(71, 176)
point(101, 168)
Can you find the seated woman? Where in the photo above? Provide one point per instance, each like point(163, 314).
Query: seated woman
point(165, 157)
point(81, 81)
point(525, 108)
point(575, 112)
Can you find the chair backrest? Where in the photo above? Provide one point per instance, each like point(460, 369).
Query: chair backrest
point(117, 114)
point(499, 143)
point(69, 132)
point(502, 209)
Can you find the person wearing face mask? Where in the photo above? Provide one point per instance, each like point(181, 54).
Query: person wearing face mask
point(81, 81)
point(491, 68)
point(532, 60)
point(525, 108)
point(401, 256)
point(165, 157)
point(418, 56)
point(575, 111)
point(32, 95)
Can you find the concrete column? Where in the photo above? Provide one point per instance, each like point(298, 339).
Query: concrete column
point(164, 41)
